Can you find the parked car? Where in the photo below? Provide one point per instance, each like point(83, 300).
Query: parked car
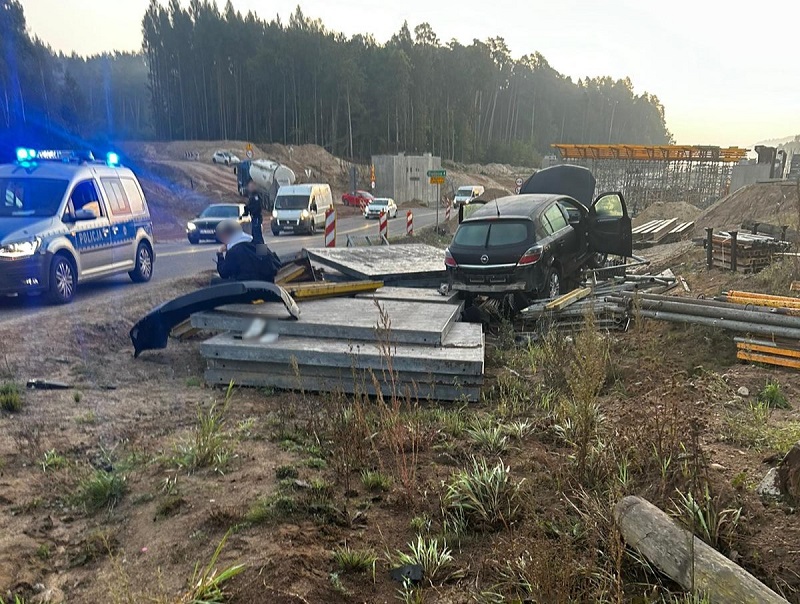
point(464, 195)
point(204, 227)
point(379, 205)
point(224, 157)
point(356, 198)
point(301, 208)
point(66, 218)
point(527, 246)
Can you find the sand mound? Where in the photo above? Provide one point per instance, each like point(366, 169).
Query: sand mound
point(772, 203)
point(662, 210)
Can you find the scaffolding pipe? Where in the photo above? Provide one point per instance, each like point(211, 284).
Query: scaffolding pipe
point(770, 331)
point(716, 302)
point(713, 312)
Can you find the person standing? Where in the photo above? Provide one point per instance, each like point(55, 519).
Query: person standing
point(254, 208)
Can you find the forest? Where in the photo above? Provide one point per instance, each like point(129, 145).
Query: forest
point(206, 73)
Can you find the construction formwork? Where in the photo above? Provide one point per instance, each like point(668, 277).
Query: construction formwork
point(698, 175)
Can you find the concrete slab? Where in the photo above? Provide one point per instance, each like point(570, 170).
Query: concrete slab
point(357, 376)
point(412, 294)
point(389, 263)
point(344, 319)
point(462, 352)
point(418, 392)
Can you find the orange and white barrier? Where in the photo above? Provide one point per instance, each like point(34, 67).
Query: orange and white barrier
point(330, 227)
point(383, 225)
point(409, 223)
point(447, 213)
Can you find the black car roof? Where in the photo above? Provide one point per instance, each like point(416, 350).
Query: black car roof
point(514, 206)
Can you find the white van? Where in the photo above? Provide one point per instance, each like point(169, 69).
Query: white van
point(466, 194)
point(301, 208)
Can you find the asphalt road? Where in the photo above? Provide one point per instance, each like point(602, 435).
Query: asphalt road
point(181, 259)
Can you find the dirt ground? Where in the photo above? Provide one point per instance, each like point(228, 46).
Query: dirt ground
point(668, 418)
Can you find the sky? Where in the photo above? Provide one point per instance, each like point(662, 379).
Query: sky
point(727, 73)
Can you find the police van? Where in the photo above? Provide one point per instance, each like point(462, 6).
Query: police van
point(66, 218)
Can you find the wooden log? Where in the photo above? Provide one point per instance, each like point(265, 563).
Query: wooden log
point(685, 559)
point(569, 298)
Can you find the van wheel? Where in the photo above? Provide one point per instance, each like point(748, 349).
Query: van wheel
point(63, 279)
point(143, 270)
point(553, 287)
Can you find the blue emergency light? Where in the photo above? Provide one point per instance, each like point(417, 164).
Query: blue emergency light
point(112, 159)
point(24, 154)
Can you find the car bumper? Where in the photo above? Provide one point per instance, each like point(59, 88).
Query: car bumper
point(24, 275)
point(292, 226)
point(496, 283)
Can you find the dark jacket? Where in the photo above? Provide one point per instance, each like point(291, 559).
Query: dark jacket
point(254, 207)
point(242, 263)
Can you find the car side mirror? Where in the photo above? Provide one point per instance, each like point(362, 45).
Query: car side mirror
point(84, 214)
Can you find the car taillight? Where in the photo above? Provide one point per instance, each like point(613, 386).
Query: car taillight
point(532, 256)
point(449, 260)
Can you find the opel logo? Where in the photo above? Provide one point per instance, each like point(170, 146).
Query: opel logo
point(484, 258)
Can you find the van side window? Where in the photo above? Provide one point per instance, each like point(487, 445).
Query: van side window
point(84, 197)
point(135, 200)
point(116, 196)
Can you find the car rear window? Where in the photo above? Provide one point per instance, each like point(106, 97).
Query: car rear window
point(491, 234)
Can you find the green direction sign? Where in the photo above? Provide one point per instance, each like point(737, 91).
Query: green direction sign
point(437, 173)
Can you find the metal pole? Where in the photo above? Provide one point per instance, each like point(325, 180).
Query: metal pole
point(734, 235)
point(438, 203)
point(770, 331)
point(710, 247)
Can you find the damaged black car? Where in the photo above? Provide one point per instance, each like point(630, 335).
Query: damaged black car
point(531, 245)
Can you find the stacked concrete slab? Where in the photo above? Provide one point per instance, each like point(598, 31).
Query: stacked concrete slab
point(400, 342)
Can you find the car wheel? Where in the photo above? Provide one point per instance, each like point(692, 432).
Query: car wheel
point(213, 160)
point(63, 280)
point(143, 270)
point(553, 288)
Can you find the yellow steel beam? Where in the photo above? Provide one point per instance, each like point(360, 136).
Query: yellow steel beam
point(310, 291)
point(652, 152)
point(769, 360)
point(765, 302)
point(773, 350)
point(738, 294)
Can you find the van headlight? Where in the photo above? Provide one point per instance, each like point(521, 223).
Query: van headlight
point(20, 249)
point(304, 214)
point(274, 213)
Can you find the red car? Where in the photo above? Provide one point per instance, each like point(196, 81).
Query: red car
point(357, 198)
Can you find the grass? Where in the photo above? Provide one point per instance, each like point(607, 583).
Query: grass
point(705, 515)
point(52, 461)
point(43, 552)
point(100, 490)
point(10, 398)
point(374, 480)
point(207, 585)
point(283, 472)
point(484, 496)
point(350, 560)
point(773, 397)
point(435, 558)
point(77, 397)
point(491, 438)
point(208, 446)
point(752, 427)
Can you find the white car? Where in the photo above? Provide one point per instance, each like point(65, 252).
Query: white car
point(224, 157)
point(381, 204)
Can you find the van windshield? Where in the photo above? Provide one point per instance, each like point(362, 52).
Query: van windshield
point(464, 192)
point(31, 196)
point(491, 234)
point(291, 202)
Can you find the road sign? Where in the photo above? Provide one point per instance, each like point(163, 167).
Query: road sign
point(249, 154)
point(518, 182)
point(437, 180)
point(437, 173)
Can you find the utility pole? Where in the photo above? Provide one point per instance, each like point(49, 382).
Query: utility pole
point(611, 126)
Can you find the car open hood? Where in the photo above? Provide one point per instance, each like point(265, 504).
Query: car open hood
point(20, 228)
point(567, 179)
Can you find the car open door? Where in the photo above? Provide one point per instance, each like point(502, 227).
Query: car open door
point(610, 226)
